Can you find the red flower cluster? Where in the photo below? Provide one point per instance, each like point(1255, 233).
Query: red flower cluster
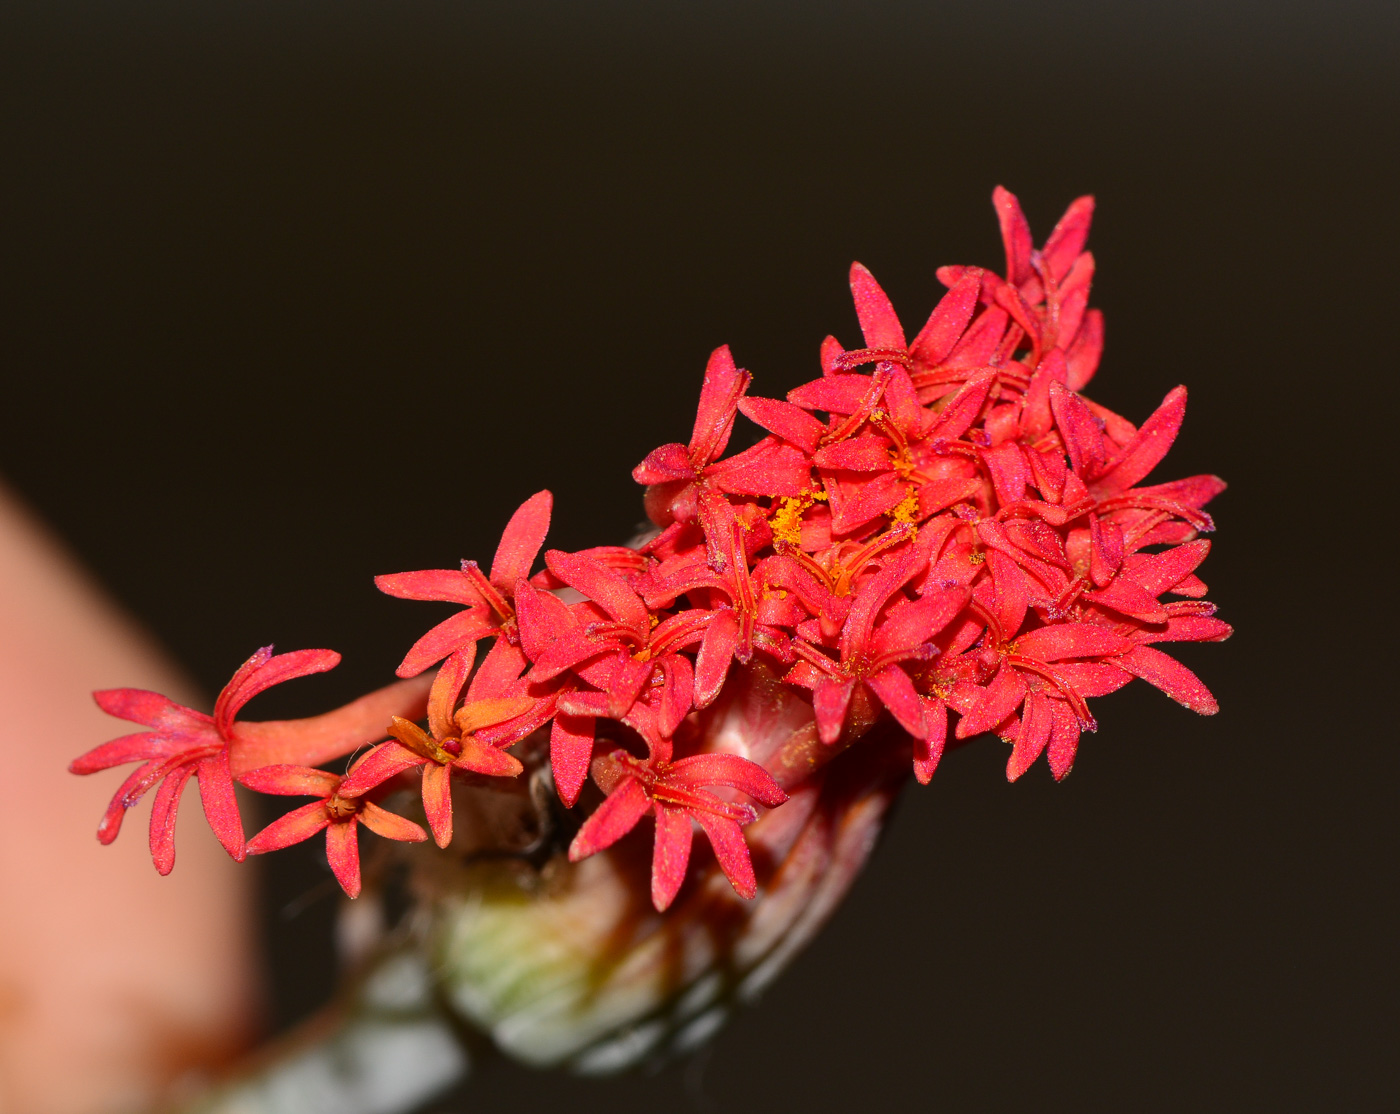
point(942, 524)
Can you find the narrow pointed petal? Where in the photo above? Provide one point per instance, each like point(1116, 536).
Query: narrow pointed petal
point(1147, 448)
point(948, 321)
point(1064, 739)
point(610, 821)
point(111, 823)
point(570, 751)
point(1036, 724)
point(724, 385)
point(830, 700)
point(1015, 235)
point(521, 541)
point(727, 839)
point(476, 714)
point(878, 321)
point(731, 770)
point(447, 585)
point(1161, 572)
point(784, 420)
point(378, 766)
point(447, 687)
point(716, 654)
point(1071, 640)
point(482, 759)
point(601, 585)
point(962, 409)
point(1081, 434)
point(1082, 357)
point(981, 340)
point(268, 671)
point(665, 465)
point(1126, 598)
point(456, 634)
point(151, 709)
point(298, 825)
point(437, 801)
point(164, 809)
point(1173, 678)
point(896, 692)
point(1064, 244)
point(389, 825)
point(929, 749)
point(677, 692)
point(343, 854)
point(291, 781)
point(220, 804)
point(835, 394)
point(998, 700)
point(129, 748)
point(670, 855)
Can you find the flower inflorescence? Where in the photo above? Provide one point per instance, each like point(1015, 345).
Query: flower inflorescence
point(944, 532)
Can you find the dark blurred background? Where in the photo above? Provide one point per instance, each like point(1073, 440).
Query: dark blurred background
point(298, 293)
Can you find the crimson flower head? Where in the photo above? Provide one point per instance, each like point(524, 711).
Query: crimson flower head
point(933, 540)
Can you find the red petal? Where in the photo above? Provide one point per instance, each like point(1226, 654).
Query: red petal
point(129, 748)
point(457, 633)
point(1015, 235)
point(163, 814)
point(878, 321)
point(1071, 640)
point(731, 770)
point(389, 825)
point(677, 692)
point(1067, 240)
point(870, 452)
point(664, 465)
point(220, 805)
point(1173, 678)
point(998, 700)
point(343, 854)
point(570, 750)
point(613, 819)
point(836, 394)
point(447, 687)
point(719, 397)
point(437, 801)
point(1126, 598)
point(785, 420)
point(982, 338)
point(1064, 739)
point(727, 839)
point(830, 699)
point(111, 823)
point(948, 321)
point(928, 750)
point(909, 625)
point(771, 467)
point(716, 652)
point(521, 541)
point(962, 409)
point(669, 856)
point(1148, 446)
point(378, 766)
point(1082, 357)
point(603, 586)
point(1159, 572)
point(260, 672)
point(896, 692)
point(151, 709)
point(449, 585)
point(291, 781)
point(1036, 723)
point(299, 824)
point(1080, 432)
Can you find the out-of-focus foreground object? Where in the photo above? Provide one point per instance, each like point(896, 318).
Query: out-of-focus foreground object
point(114, 983)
